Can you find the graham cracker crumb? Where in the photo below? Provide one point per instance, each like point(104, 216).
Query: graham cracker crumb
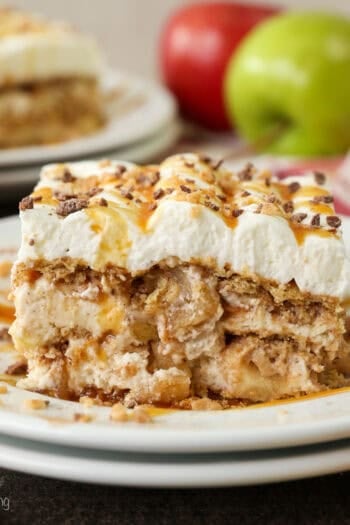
point(140, 415)
point(35, 404)
point(119, 413)
point(82, 418)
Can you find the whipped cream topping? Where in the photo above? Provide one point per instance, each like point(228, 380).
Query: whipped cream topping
point(33, 49)
point(112, 212)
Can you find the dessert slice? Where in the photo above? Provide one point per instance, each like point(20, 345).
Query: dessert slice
point(155, 284)
point(49, 88)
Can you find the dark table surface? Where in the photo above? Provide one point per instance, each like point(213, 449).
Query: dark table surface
point(37, 500)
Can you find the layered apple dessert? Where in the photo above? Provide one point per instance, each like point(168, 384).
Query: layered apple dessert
point(163, 283)
point(49, 81)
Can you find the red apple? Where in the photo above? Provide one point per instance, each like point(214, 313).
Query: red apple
point(196, 44)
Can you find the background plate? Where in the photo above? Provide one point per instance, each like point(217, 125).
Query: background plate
point(141, 109)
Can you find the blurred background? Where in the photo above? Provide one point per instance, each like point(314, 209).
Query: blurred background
point(124, 27)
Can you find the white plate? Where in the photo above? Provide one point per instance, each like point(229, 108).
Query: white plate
point(13, 179)
point(141, 110)
point(141, 470)
point(290, 423)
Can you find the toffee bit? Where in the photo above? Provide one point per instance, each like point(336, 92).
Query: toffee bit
point(298, 217)
point(71, 206)
point(333, 221)
point(217, 164)
point(221, 197)
point(246, 174)
point(316, 220)
point(320, 178)
point(288, 207)
point(17, 369)
point(326, 199)
point(236, 213)
point(211, 205)
point(102, 202)
point(294, 187)
point(31, 242)
point(126, 193)
point(158, 194)
point(67, 176)
point(184, 188)
point(26, 204)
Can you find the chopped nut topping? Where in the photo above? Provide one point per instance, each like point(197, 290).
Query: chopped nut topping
point(184, 188)
point(298, 217)
point(17, 369)
point(119, 170)
point(258, 208)
point(288, 207)
point(217, 165)
point(71, 206)
point(189, 164)
point(60, 196)
point(169, 190)
point(3, 389)
point(327, 199)
point(236, 213)
point(67, 176)
point(119, 413)
point(205, 159)
point(26, 204)
point(246, 174)
point(294, 187)
point(316, 220)
point(35, 404)
point(152, 206)
point(333, 221)
point(140, 415)
point(211, 205)
point(320, 178)
point(245, 193)
point(158, 194)
point(82, 418)
point(93, 191)
point(4, 334)
point(271, 198)
point(102, 202)
point(31, 242)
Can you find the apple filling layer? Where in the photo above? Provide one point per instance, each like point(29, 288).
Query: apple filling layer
point(171, 333)
point(50, 111)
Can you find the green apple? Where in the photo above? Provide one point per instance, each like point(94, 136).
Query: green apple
point(288, 84)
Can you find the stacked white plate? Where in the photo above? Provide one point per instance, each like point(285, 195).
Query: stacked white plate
point(142, 125)
point(260, 444)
